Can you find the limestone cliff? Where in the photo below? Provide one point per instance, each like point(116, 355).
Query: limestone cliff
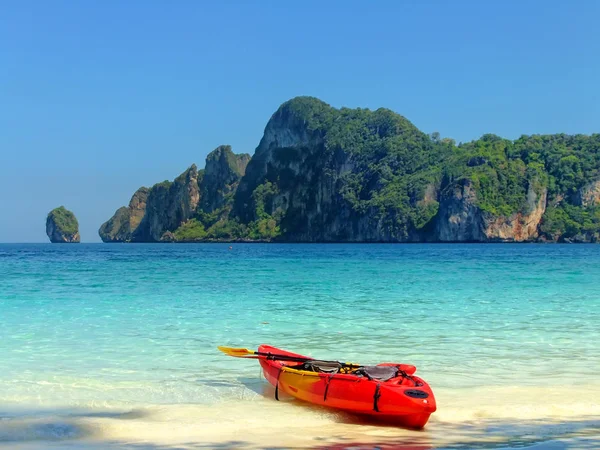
point(521, 226)
point(222, 174)
point(121, 226)
point(307, 183)
point(588, 195)
point(287, 144)
point(168, 205)
point(62, 226)
point(168, 211)
point(323, 174)
point(460, 218)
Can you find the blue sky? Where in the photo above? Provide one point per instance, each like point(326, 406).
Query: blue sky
point(98, 97)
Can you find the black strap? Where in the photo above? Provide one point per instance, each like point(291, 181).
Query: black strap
point(403, 374)
point(376, 398)
point(327, 387)
point(277, 384)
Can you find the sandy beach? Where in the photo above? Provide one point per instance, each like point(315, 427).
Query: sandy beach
point(500, 418)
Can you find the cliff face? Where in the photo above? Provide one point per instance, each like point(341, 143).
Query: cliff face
point(155, 214)
point(168, 205)
point(222, 174)
point(309, 183)
point(121, 226)
point(460, 219)
point(321, 174)
point(588, 195)
point(287, 144)
point(521, 226)
point(62, 226)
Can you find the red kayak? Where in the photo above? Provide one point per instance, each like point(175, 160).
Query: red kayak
point(389, 391)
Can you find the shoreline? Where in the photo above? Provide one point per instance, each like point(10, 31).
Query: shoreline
point(469, 243)
point(537, 242)
point(154, 429)
point(495, 417)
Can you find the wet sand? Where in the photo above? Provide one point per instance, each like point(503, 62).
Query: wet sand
point(500, 417)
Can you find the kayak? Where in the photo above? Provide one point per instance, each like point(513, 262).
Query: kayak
point(389, 391)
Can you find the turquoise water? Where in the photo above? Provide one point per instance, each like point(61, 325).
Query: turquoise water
point(85, 325)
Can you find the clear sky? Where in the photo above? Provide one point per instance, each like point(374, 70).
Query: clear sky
point(98, 98)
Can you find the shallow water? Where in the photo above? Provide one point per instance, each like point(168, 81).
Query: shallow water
point(124, 337)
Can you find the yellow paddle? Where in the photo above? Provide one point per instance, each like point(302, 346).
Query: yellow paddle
point(247, 353)
point(237, 352)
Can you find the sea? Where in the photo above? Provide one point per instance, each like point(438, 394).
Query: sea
point(115, 345)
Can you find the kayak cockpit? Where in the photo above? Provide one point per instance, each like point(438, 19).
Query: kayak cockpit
point(387, 372)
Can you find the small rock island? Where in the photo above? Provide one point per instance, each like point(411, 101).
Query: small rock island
point(62, 226)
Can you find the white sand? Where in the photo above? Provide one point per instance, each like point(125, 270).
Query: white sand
point(537, 417)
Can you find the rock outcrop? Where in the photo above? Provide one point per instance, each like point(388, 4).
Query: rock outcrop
point(316, 188)
point(155, 214)
point(460, 219)
point(521, 226)
point(62, 226)
point(121, 226)
point(588, 195)
point(287, 144)
point(168, 205)
point(168, 237)
point(222, 174)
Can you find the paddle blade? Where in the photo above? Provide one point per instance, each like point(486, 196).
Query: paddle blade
point(237, 352)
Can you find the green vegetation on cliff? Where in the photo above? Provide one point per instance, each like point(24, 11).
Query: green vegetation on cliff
point(62, 226)
point(190, 231)
point(121, 226)
point(65, 220)
point(327, 174)
point(503, 170)
point(367, 162)
point(569, 221)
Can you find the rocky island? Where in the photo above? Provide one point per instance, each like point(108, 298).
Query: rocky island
point(321, 174)
point(62, 226)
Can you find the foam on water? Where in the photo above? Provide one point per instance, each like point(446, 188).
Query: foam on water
point(504, 333)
